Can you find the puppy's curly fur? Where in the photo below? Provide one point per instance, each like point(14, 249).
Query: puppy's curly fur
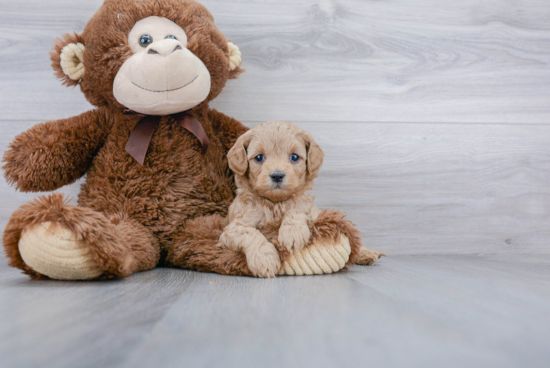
point(275, 165)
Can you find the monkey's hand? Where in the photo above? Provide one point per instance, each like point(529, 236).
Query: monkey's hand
point(53, 154)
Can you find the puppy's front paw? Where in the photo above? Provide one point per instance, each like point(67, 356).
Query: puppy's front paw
point(225, 242)
point(263, 261)
point(294, 236)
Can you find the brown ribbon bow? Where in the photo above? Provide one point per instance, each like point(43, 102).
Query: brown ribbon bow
point(141, 135)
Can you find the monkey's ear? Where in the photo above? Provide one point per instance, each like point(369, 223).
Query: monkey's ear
point(235, 59)
point(315, 155)
point(68, 58)
point(236, 157)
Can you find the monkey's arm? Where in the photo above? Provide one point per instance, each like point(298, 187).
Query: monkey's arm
point(53, 154)
point(227, 129)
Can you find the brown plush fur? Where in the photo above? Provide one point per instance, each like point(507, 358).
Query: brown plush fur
point(120, 245)
point(175, 183)
point(133, 216)
point(198, 243)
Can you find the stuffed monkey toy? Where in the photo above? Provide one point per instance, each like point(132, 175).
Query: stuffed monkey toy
point(153, 152)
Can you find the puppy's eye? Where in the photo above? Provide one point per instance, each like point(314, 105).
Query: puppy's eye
point(259, 158)
point(170, 37)
point(294, 157)
point(145, 40)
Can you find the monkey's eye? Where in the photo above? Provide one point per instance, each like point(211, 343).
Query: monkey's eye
point(171, 37)
point(259, 158)
point(145, 40)
point(294, 157)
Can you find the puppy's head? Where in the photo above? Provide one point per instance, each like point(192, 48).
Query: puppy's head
point(275, 160)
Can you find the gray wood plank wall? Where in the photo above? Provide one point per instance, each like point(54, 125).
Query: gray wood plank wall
point(434, 115)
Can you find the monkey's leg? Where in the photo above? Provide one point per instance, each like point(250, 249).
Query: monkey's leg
point(47, 238)
point(334, 243)
point(197, 247)
point(367, 256)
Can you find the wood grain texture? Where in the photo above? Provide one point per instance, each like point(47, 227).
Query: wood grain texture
point(420, 188)
point(408, 311)
point(439, 188)
point(322, 60)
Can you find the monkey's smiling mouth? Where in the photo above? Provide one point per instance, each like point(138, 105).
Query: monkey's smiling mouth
point(167, 90)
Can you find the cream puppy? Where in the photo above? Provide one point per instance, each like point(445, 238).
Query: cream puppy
point(274, 165)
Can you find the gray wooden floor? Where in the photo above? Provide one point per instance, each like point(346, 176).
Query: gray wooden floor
point(407, 311)
point(435, 119)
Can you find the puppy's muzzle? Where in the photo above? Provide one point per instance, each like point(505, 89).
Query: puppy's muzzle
point(277, 177)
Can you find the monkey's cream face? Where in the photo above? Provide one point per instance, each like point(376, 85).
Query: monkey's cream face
point(162, 77)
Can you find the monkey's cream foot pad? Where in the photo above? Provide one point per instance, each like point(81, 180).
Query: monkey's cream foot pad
point(56, 252)
point(319, 258)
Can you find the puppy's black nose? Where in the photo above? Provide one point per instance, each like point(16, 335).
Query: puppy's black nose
point(277, 177)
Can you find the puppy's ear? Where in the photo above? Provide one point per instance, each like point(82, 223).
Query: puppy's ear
point(315, 155)
point(68, 58)
point(236, 157)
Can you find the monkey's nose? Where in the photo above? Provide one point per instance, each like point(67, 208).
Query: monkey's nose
point(164, 47)
point(277, 177)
